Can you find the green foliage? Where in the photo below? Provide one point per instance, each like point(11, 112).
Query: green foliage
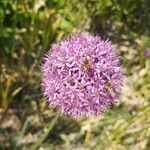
point(121, 20)
point(27, 30)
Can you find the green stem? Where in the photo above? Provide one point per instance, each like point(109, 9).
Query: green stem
point(50, 127)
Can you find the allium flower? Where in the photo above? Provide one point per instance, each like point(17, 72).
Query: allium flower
point(82, 75)
point(147, 52)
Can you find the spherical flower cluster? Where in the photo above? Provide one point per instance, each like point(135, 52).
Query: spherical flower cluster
point(82, 75)
point(147, 52)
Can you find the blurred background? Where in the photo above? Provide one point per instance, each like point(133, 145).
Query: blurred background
point(27, 30)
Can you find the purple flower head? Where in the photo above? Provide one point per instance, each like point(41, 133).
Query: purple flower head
point(147, 52)
point(82, 75)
